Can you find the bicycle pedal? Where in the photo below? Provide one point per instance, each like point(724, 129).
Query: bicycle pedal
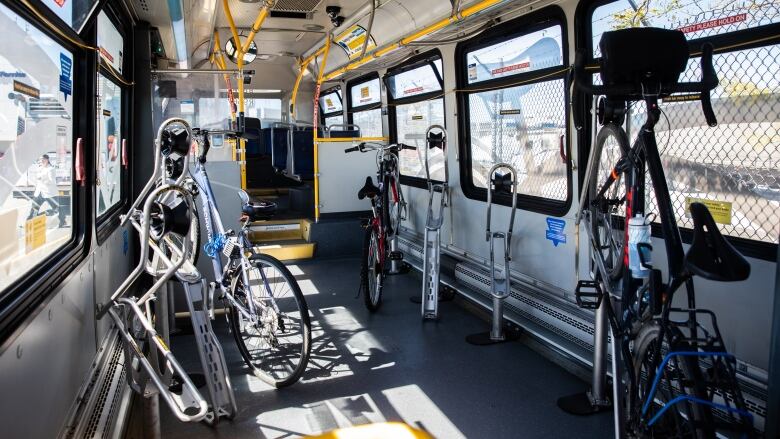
point(396, 256)
point(588, 294)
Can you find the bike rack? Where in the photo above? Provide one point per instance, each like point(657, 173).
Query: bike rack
point(433, 223)
point(595, 399)
point(500, 279)
point(152, 375)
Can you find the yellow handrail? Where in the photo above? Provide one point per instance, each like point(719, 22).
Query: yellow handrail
point(379, 52)
point(350, 139)
point(314, 131)
point(293, 100)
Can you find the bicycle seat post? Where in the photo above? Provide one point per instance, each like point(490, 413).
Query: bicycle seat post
point(500, 277)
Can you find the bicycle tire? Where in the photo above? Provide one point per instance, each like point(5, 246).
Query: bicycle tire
point(607, 228)
point(370, 269)
point(702, 423)
point(259, 364)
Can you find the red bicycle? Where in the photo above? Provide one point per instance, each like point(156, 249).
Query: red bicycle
point(388, 210)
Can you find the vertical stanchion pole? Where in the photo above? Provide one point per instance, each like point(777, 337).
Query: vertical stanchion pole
point(600, 356)
point(315, 122)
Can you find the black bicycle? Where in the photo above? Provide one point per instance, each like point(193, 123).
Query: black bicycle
point(388, 210)
point(678, 379)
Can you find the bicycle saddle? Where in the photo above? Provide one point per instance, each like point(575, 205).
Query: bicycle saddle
point(256, 210)
point(502, 183)
point(368, 190)
point(710, 255)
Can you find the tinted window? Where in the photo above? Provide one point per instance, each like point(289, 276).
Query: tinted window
point(522, 54)
point(413, 82)
point(366, 93)
point(36, 139)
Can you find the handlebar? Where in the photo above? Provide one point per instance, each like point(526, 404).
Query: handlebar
point(637, 91)
point(365, 146)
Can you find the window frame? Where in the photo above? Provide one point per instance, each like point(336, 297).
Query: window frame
point(34, 287)
point(356, 82)
point(109, 220)
point(63, 26)
point(426, 58)
point(761, 36)
point(523, 25)
point(323, 115)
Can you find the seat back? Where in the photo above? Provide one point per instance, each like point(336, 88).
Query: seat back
point(280, 145)
point(303, 153)
point(255, 141)
point(710, 255)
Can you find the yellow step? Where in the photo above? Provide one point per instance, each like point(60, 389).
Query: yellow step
point(288, 252)
point(279, 230)
point(262, 193)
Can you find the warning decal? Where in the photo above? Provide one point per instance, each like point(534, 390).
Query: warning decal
point(513, 67)
point(720, 210)
point(718, 22)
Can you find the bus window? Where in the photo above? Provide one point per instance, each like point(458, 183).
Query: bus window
point(365, 105)
point(36, 138)
point(416, 102)
point(733, 167)
point(73, 12)
point(109, 118)
point(515, 100)
point(331, 107)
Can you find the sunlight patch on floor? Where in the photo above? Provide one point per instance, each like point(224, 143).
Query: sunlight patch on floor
point(417, 410)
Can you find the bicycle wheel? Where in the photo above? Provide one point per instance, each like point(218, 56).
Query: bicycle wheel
point(371, 271)
point(277, 346)
point(681, 376)
point(607, 223)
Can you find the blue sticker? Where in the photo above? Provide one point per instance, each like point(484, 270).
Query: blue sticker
point(555, 231)
point(125, 242)
point(66, 85)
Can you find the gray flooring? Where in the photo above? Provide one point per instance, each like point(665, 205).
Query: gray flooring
point(390, 366)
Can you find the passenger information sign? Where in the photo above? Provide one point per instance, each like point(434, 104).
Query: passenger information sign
point(352, 41)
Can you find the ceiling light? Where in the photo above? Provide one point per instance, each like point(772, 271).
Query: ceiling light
point(314, 27)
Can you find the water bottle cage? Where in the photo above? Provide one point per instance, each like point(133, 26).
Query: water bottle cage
point(644, 246)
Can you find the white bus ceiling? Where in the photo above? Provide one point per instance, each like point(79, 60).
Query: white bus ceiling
point(121, 119)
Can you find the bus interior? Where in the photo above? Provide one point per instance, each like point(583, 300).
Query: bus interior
point(389, 219)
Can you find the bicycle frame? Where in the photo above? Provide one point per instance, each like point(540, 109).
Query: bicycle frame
point(643, 156)
point(215, 230)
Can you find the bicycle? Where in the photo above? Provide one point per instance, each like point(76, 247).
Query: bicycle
point(386, 218)
point(267, 312)
point(679, 379)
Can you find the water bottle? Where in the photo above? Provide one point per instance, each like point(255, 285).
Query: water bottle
point(639, 232)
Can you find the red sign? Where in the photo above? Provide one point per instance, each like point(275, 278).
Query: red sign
point(520, 66)
point(413, 90)
point(60, 3)
point(714, 23)
point(107, 55)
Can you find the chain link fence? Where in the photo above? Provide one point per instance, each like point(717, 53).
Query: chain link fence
point(524, 126)
point(412, 121)
point(734, 168)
